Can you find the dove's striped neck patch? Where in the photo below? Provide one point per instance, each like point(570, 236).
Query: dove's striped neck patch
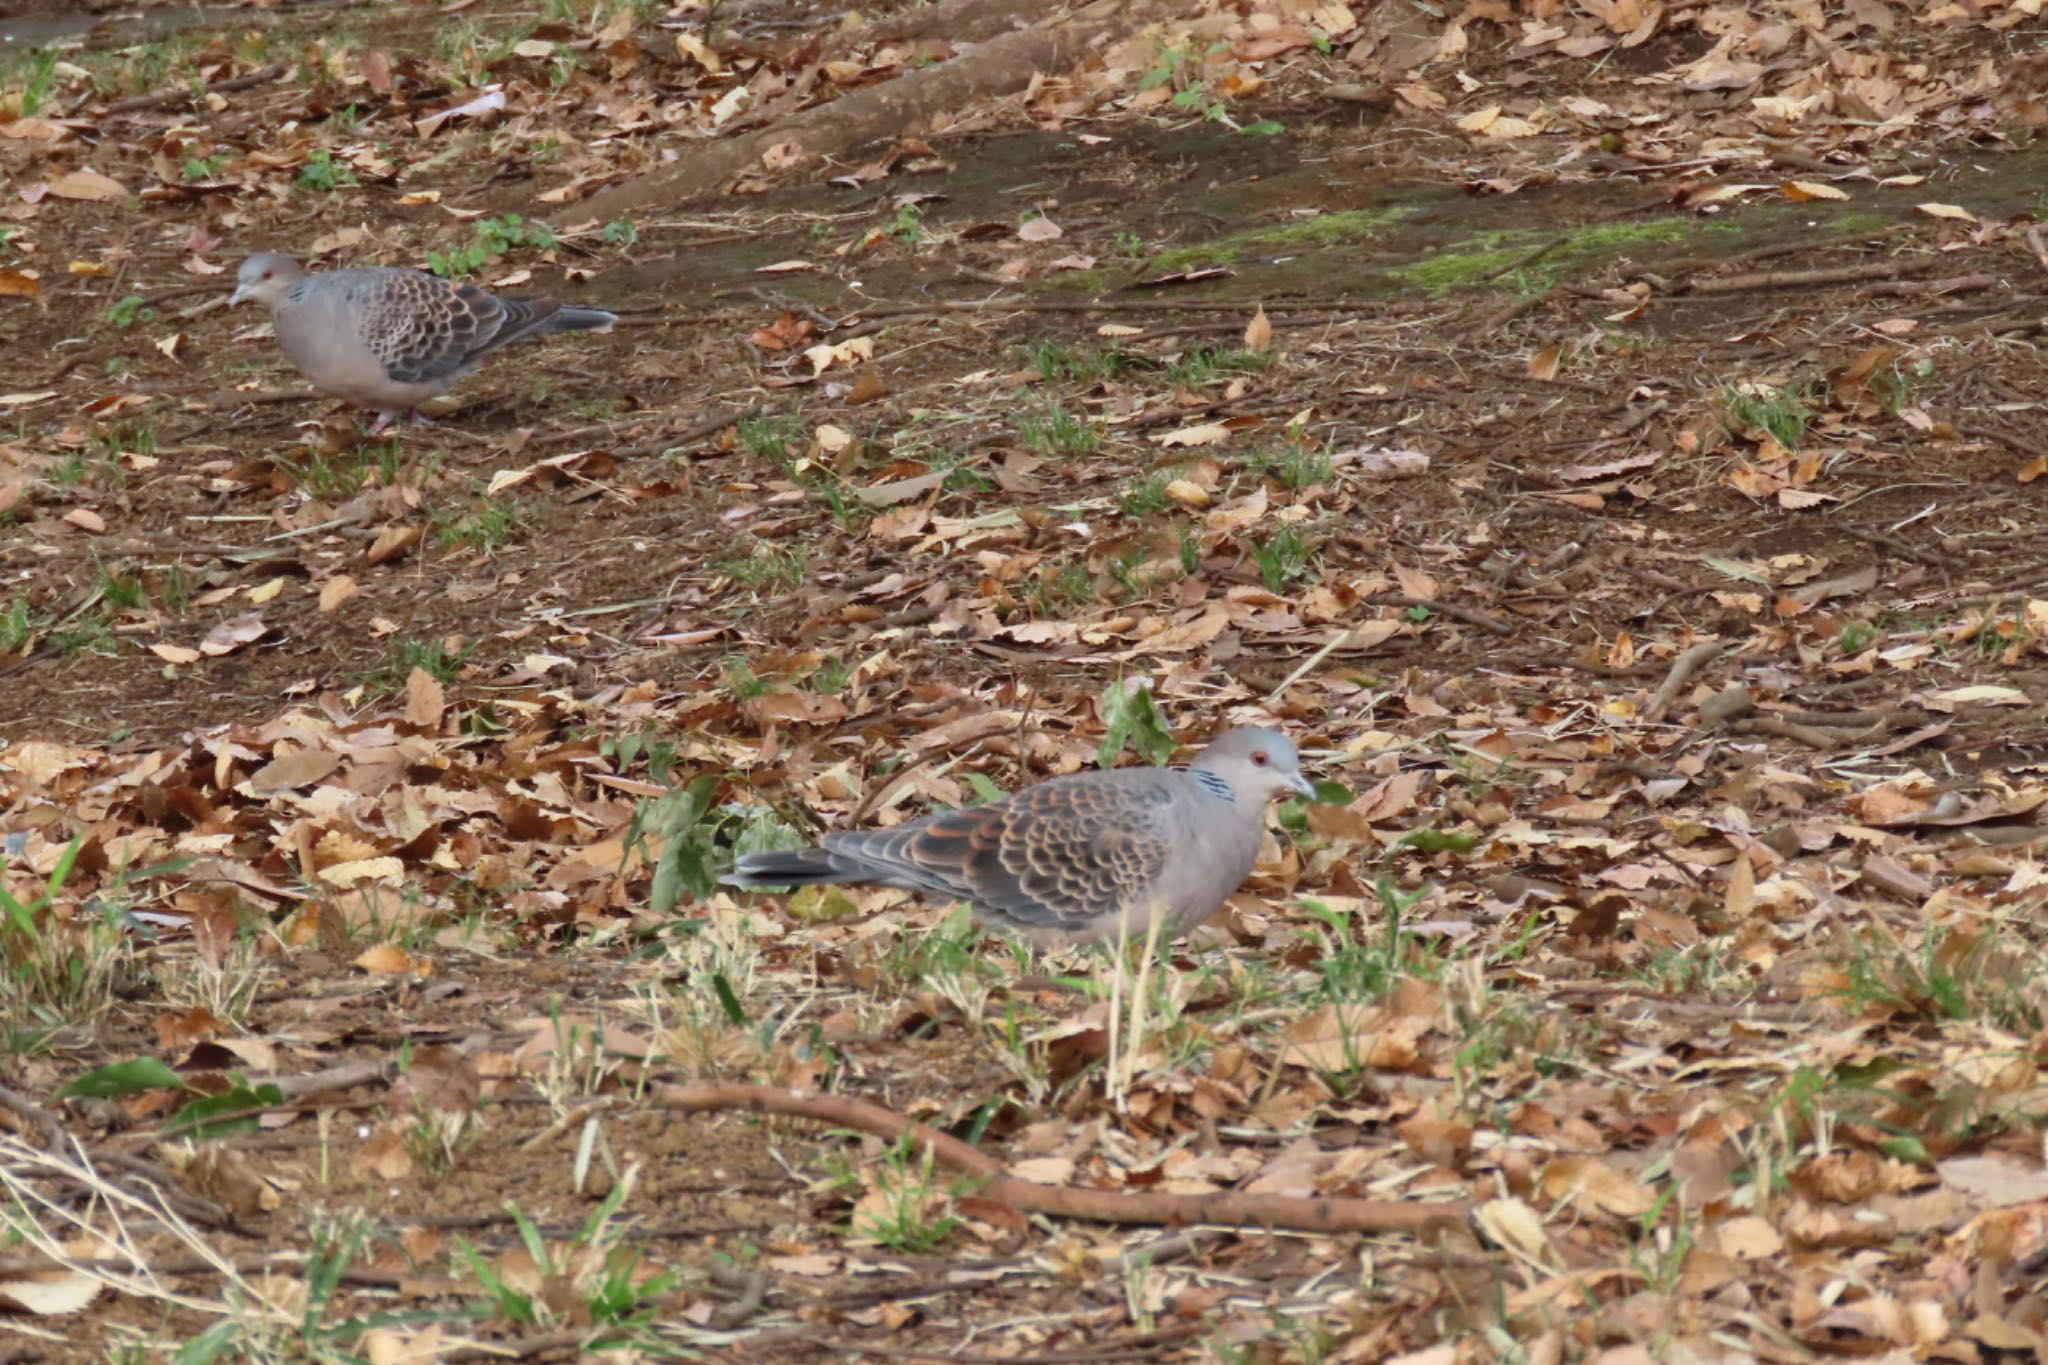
point(1213, 784)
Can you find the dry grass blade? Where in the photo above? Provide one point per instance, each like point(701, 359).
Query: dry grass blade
point(121, 1226)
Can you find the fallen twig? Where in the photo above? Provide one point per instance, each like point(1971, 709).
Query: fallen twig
point(87, 357)
point(1854, 720)
point(1960, 284)
point(1808, 735)
point(137, 103)
point(1329, 1213)
point(1796, 279)
point(753, 1287)
point(718, 421)
point(1471, 616)
point(1524, 261)
point(1358, 310)
point(2034, 243)
point(1522, 306)
point(1137, 1348)
point(570, 1120)
point(992, 69)
point(256, 1264)
point(346, 1076)
point(24, 1107)
point(1682, 669)
point(525, 1348)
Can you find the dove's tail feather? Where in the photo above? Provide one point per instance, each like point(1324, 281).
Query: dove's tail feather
point(790, 867)
point(582, 320)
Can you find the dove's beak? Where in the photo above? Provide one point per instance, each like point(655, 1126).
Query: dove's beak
point(1302, 785)
point(241, 292)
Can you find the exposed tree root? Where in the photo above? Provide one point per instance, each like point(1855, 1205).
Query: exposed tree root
point(1147, 1207)
point(893, 109)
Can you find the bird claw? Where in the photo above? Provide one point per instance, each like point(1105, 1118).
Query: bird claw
point(385, 419)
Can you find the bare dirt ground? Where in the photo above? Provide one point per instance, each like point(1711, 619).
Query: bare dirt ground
point(1607, 439)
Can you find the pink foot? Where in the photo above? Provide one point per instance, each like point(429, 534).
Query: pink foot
point(383, 421)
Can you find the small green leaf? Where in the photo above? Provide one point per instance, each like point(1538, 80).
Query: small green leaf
point(726, 999)
point(1906, 1147)
point(62, 870)
point(1129, 713)
point(232, 1111)
point(122, 1078)
point(820, 905)
point(667, 890)
point(686, 862)
point(1437, 841)
point(984, 789)
point(695, 867)
point(1335, 793)
point(1742, 573)
point(1265, 127)
point(209, 1345)
point(694, 799)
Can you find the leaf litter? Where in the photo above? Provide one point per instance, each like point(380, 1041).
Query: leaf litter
point(1659, 611)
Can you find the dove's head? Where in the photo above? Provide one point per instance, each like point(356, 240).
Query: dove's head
point(1258, 764)
point(266, 277)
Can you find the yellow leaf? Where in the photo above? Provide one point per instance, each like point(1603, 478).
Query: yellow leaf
point(1479, 120)
point(1238, 515)
point(1509, 129)
point(1258, 334)
point(386, 959)
point(1207, 434)
point(1799, 191)
point(362, 870)
point(424, 700)
point(691, 48)
point(1741, 898)
point(1749, 1239)
point(338, 590)
point(1961, 215)
point(86, 185)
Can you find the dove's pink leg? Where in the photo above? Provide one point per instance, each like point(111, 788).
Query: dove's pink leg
point(420, 421)
point(383, 421)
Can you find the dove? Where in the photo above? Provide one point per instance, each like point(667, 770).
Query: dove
point(391, 339)
point(1080, 859)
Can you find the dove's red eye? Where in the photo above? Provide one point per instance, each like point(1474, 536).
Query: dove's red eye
point(1259, 758)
